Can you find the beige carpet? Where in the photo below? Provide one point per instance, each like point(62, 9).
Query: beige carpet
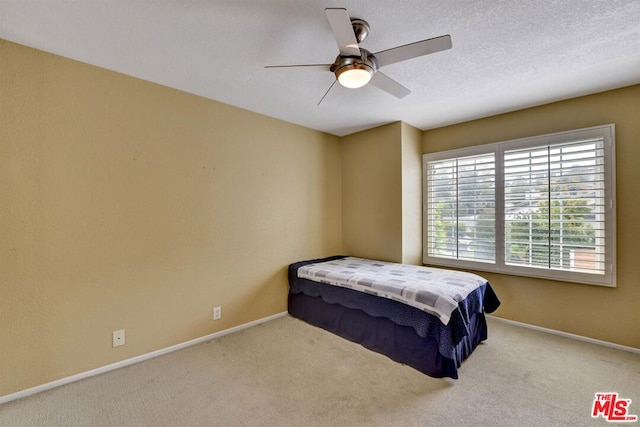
point(287, 373)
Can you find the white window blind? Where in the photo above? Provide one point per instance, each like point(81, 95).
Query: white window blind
point(554, 206)
point(461, 208)
point(541, 206)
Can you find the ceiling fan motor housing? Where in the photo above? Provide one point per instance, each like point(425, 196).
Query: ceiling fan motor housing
point(366, 61)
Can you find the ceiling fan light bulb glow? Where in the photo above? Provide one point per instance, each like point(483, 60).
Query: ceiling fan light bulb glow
point(354, 78)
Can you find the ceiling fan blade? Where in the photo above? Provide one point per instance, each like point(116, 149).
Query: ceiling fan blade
point(387, 84)
point(327, 92)
point(343, 31)
point(320, 67)
point(413, 50)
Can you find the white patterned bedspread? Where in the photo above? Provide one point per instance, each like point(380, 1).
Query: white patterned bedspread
point(434, 290)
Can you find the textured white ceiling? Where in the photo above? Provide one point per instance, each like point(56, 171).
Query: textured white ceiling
point(506, 54)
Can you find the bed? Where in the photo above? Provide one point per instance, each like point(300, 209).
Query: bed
point(428, 318)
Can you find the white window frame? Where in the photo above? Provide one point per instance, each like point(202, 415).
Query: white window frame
point(607, 133)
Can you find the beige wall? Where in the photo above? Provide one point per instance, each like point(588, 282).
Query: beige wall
point(598, 312)
point(411, 195)
point(372, 193)
point(124, 204)
point(382, 193)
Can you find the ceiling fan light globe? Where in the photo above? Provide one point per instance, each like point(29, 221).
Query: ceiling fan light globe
point(354, 78)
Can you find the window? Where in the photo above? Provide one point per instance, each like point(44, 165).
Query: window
point(461, 208)
point(540, 206)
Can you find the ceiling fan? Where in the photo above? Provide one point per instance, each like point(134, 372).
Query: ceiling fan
point(355, 67)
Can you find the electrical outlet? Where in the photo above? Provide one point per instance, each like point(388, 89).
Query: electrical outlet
point(118, 338)
point(217, 313)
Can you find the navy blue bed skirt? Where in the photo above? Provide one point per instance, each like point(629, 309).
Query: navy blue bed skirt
point(379, 334)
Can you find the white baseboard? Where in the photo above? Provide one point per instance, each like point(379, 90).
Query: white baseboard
point(568, 335)
point(133, 360)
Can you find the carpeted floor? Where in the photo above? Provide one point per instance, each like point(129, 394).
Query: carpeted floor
point(287, 373)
